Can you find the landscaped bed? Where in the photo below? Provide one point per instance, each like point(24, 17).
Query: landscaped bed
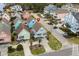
point(36, 49)
point(74, 40)
point(54, 43)
point(16, 53)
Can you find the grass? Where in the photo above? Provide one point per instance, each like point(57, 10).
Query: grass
point(16, 53)
point(37, 51)
point(74, 40)
point(53, 42)
point(73, 37)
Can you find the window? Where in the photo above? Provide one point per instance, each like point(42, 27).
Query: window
point(38, 34)
point(21, 37)
point(1, 39)
point(55, 16)
point(44, 34)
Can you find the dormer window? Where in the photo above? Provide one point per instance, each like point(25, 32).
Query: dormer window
point(1, 39)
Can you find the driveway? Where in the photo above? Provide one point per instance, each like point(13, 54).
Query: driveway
point(4, 50)
point(27, 51)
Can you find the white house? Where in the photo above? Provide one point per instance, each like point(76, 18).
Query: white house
point(16, 8)
point(71, 7)
point(72, 21)
point(6, 16)
point(22, 33)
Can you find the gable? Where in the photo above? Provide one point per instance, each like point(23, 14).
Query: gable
point(24, 33)
point(6, 16)
point(41, 30)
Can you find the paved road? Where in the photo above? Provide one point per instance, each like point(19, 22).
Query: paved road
point(65, 52)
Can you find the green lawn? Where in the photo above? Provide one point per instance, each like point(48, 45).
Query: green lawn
point(74, 40)
point(37, 51)
point(54, 43)
point(16, 53)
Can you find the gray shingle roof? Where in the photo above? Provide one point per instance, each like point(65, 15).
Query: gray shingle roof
point(76, 15)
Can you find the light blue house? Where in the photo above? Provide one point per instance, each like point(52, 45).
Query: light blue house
point(50, 8)
point(39, 31)
point(72, 21)
point(31, 23)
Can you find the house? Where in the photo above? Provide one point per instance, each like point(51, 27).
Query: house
point(2, 5)
point(50, 8)
point(76, 7)
point(67, 6)
point(71, 7)
point(16, 8)
point(38, 31)
point(60, 14)
point(17, 23)
point(6, 16)
point(5, 34)
point(24, 7)
point(16, 14)
point(72, 21)
point(26, 15)
point(22, 32)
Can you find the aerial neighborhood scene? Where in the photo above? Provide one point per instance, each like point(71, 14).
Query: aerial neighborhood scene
point(39, 29)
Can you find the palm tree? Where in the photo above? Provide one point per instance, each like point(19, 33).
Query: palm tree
point(31, 41)
point(40, 42)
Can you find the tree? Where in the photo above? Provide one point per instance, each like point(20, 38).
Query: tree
point(39, 39)
point(10, 49)
point(19, 47)
point(68, 25)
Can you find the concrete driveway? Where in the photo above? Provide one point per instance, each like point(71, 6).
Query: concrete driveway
point(4, 50)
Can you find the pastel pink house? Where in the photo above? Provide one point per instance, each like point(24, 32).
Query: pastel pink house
point(60, 14)
point(26, 15)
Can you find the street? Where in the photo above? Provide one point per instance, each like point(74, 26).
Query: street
point(65, 52)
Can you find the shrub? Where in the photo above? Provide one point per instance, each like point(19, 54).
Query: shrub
point(19, 47)
point(10, 49)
